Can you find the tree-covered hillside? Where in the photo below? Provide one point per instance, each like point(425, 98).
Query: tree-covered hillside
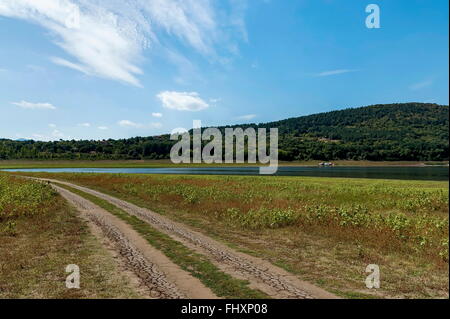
point(408, 131)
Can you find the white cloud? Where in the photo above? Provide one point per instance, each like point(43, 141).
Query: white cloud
point(157, 114)
point(70, 65)
point(131, 124)
point(52, 125)
point(182, 101)
point(107, 38)
point(85, 124)
point(335, 72)
point(421, 85)
point(246, 117)
point(102, 128)
point(29, 105)
point(127, 123)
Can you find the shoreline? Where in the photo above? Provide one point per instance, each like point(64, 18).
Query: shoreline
point(16, 164)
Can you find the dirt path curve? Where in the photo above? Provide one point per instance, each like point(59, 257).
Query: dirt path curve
point(154, 271)
point(274, 281)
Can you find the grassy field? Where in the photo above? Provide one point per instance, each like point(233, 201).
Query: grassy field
point(39, 235)
point(167, 163)
point(326, 230)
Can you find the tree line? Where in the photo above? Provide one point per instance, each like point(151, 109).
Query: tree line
point(388, 132)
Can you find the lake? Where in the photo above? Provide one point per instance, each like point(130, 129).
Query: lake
point(437, 173)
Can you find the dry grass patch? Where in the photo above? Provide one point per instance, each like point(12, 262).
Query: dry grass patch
point(48, 235)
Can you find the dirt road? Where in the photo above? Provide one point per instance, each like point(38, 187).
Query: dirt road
point(261, 274)
point(159, 277)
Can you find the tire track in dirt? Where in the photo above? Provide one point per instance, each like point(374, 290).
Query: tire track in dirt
point(162, 278)
point(272, 280)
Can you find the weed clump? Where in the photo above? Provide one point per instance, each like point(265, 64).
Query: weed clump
point(22, 198)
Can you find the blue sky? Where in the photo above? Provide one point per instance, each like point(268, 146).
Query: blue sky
point(144, 67)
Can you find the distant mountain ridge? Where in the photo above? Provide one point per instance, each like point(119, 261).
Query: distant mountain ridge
point(404, 131)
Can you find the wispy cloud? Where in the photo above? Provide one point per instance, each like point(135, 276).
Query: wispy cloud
point(157, 114)
point(421, 85)
point(246, 117)
point(103, 128)
point(335, 72)
point(54, 135)
point(107, 38)
point(131, 124)
point(85, 124)
point(29, 105)
point(128, 123)
point(74, 66)
point(182, 101)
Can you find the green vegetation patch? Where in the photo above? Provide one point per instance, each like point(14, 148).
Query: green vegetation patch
point(20, 198)
point(39, 236)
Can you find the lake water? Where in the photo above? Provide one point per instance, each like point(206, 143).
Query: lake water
point(437, 173)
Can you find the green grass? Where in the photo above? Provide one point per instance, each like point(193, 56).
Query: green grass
point(20, 198)
point(318, 228)
point(222, 284)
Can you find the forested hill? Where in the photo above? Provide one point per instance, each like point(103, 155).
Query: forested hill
point(408, 131)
